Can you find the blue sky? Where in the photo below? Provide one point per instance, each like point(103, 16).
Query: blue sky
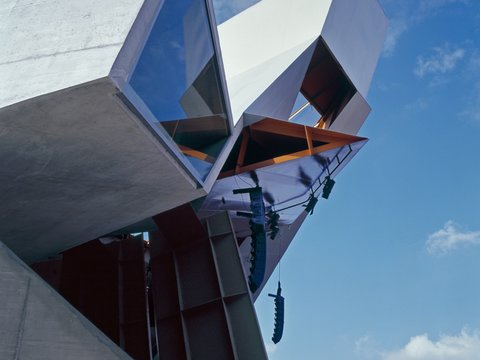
point(389, 267)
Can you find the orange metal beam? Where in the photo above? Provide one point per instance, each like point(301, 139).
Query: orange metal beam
point(309, 139)
point(243, 149)
point(196, 154)
point(331, 139)
point(295, 130)
point(288, 157)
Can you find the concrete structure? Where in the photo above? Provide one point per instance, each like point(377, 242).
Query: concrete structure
point(37, 323)
point(131, 116)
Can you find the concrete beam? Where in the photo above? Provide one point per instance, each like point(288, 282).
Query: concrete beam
point(77, 164)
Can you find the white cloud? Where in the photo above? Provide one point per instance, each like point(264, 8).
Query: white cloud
point(427, 6)
point(418, 105)
point(474, 62)
point(465, 346)
point(472, 109)
point(360, 343)
point(366, 348)
point(443, 60)
point(406, 14)
point(451, 237)
point(396, 29)
point(471, 112)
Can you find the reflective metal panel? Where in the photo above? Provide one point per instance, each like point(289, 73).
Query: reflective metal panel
point(288, 184)
point(303, 112)
point(354, 32)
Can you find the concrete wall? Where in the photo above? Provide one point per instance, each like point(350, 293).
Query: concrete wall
point(48, 45)
point(37, 323)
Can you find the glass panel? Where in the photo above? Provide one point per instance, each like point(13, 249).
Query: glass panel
point(303, 112)
point(226, 9)
point(177, 79)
